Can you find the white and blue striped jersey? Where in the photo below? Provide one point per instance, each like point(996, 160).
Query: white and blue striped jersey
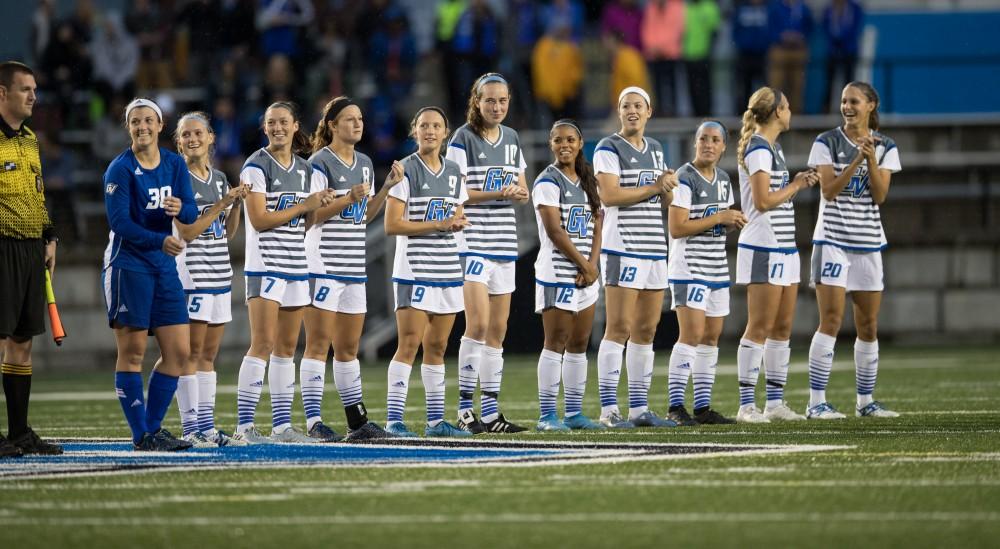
point(636, 230)
point(336, 247)
point(279, 252)
point(488, 167)
point(701, 258)
point(773, 230)
point(851, 220)
point(204, 266)
point(553, 188)
point(429, 259)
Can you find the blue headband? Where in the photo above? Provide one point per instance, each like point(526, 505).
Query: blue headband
point(490, 78)
point(717, 125)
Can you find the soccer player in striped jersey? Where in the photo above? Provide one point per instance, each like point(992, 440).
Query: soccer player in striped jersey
point(568, 212)
point(855, 164)
point(206, 274)
point(335, 245)
point(283, 197)
point(424, 213)
point(767, 260)
point(699, 272)
point(490, 157)
point(145, 189)
point(635, 188)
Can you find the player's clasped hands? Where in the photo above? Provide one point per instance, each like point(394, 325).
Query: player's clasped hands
point(395, 174)
point(806, 178)
point(667, 181)
point(587, 275)
point(359, 191)
point(319, 199)
point(453, 224)
point(732, 218)
point(172, 245)
point(237, 193)
point(172, 206)
point(514, 192)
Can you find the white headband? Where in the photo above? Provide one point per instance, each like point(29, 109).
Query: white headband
point(636, 90)
point(142, 102)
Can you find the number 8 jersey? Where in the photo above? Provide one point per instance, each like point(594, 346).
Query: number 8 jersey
point(851, 220)
point(279, 252)
point(429, 259)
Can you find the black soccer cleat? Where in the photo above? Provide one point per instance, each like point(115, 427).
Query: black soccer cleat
point(467, 421)
point(322, 433)
point(709, 416)
point(368, 432)
point(8, 450)
point(161, 441)
point(680, 415)
point(501, 425)
point(30, 443)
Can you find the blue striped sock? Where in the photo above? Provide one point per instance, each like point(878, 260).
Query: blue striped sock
point(776, 354)
point(128, 387)
point(703, 375)
point(609, 372)
point(281, 383)
point(820, 364)
point(399, 385)
point(434, 390)
point(637, 360)
point(470, 356)
point(549, 365)
point(159, 395)
point(312, 379)
point(682, 359)
point(250, 385)
point(187, 403)
point(574, 374)
point(347, 377)
point(490, 375)
point(206, 401)
point(866, 370)
point(749, 357)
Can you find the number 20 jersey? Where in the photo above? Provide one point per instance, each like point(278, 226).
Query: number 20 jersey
point(851, 220)
point(429, 259)
point(279, 252)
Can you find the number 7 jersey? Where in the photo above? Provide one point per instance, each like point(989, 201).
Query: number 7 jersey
point(279, 252)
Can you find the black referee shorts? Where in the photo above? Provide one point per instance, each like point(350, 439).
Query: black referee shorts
point(22, 287)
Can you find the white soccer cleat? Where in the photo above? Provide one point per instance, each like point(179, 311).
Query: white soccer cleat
point(291, 435)
point(781, 412)
point(750, 413)
point(199, 440)
point(251, 436)
point(874, 409)
point(823, 410)
point(221, 439)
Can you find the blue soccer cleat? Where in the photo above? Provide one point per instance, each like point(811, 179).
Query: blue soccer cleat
point(399, 429)
point(445, 429)
point(580, 422)
point(650, 419)
point(550, 422)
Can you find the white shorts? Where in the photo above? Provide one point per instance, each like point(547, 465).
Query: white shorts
point(498, 276)
point(570, 299)
point(288, 293)
point(714, 301)
point(338, 296)
point(853, 271)
point(763, 267)
point(211, 308)
point(633, 272)
point(439, 300)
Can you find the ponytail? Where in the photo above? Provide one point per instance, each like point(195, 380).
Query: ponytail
point(323, 135)
point(763, 104)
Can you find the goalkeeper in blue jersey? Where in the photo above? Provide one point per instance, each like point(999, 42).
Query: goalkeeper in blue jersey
point(145, 189)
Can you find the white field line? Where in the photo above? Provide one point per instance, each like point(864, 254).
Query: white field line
point(270, 521)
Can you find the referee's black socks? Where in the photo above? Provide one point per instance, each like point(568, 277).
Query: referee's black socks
point(17, 388)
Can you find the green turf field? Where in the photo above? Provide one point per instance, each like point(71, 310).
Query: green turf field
point(928, 479)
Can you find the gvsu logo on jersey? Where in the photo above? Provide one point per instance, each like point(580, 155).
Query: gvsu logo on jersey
point(217, 229)
point(496, 179)
point(438, 210)
point(577, 221)
point(289, 200)
point(858, 184)
point(356, 212)
point(716, 230)
point(648, 178)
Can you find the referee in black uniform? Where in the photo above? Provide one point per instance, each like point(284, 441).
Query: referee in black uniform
point(27, 247)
